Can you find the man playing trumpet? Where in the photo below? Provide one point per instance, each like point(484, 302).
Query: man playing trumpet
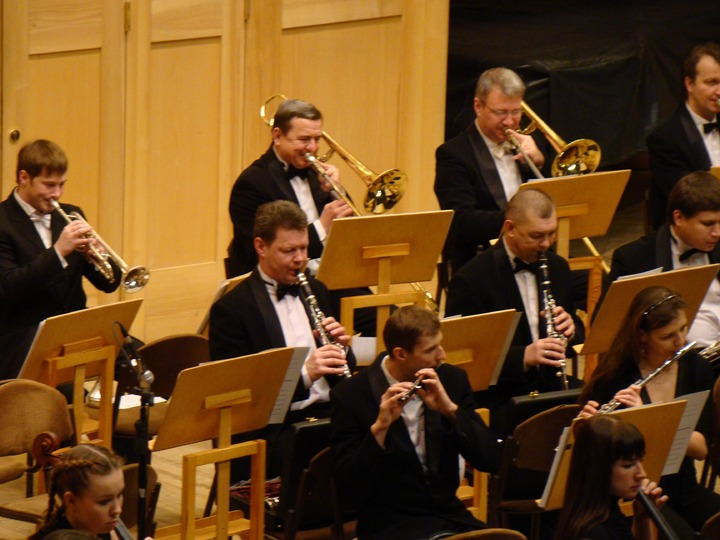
point(41, 259)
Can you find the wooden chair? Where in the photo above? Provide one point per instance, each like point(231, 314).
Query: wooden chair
point(711, 467)
point(489, 534)
point(165, 357)
point(27, 408)
point(531, 448)
point(711, 529)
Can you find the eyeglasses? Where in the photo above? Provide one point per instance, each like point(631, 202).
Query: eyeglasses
point(515, 113)
point(658, 304)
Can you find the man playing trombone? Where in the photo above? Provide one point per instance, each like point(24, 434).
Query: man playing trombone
point(477, 172)
point(284, 173)
point(41, 255)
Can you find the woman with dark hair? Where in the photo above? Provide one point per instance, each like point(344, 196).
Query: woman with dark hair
point(652, 331)
point(606, 466)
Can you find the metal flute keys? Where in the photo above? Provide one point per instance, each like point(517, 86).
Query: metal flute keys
point(613, 404)
point(549, 307)
point(417, 385)
point(318, 317)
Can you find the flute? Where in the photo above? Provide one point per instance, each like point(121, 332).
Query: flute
point(417, 385)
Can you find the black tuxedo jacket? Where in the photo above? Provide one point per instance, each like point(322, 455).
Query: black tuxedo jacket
point(34, 284)
point(394, 498)
point(264, 181)
point(487, 283)
point(467, 181)
point(649, 252)
point(675, 149)
point(244, 322)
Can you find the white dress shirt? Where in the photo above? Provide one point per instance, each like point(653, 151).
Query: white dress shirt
point(505, 164)
point(711, 140)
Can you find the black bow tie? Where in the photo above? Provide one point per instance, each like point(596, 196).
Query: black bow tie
point(685, 255)
point(709, 127)
point(292, 172)
point(521, 265)
point(282, 290)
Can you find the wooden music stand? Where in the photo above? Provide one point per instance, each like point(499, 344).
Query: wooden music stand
point(585, 204)
point(77, 345)
point(382, 250)
point(657, 422)
point(691, 283)
point(478, 344)
point(214, 401)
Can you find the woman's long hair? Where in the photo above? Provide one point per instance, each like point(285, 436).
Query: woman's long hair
point(600, 441)
point(72, 473)
point(651, 308)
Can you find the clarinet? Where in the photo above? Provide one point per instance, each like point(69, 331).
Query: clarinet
point(613, 404)
point(653, 511)
point(549, 307)
point(318, 318)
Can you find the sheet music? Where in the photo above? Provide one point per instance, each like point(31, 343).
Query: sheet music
point(559, 453)
point(287, 390)
point(693, 409)
point(652, 272)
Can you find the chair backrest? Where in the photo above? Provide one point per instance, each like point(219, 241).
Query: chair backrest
point(489, 534)
point(536, 439)
point(168, 356)
point(28, 408)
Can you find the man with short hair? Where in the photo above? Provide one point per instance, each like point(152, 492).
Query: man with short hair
point(689, 238)
point(284, 173)
point(42, 259)
point(506, 277)
point(265, 311)
point(688, 140)
point(396, 458)
point(477, 172)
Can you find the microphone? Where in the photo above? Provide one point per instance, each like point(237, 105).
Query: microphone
point(145, 377)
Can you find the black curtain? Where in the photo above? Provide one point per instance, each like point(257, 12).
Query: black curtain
point(604, 70)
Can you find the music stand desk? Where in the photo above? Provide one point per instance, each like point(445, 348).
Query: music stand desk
point(76, 345)
point(585, 204)
point(478, 344)
point(215, 401)
point(381, 251)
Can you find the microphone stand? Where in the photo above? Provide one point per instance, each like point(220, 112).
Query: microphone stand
point(147, 399)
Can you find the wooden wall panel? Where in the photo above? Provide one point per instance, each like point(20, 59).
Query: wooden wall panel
point(65, 25)
point(184, 105)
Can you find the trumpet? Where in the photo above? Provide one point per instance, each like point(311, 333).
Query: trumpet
point(549, 306)
point(318, 318)
point(133, 279)
point(613, 404)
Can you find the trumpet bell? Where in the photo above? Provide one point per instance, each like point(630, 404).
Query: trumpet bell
point(385, 191)
point(135, 279)
point(578, 157)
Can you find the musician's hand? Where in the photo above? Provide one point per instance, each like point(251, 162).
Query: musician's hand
point(333, 172)
point(334, 210)
point(563, 321)
point(630, 396)
point(548, 351)
point(327, 360)
point(590, 409)
point(527, 143)
point(390, 409)
point(654, 493)
point(73, 237)
point(336, 331)
point(434, 395)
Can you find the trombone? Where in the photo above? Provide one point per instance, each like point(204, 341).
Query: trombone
point(581, 156)
point(384, 189)
point(133, 279)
